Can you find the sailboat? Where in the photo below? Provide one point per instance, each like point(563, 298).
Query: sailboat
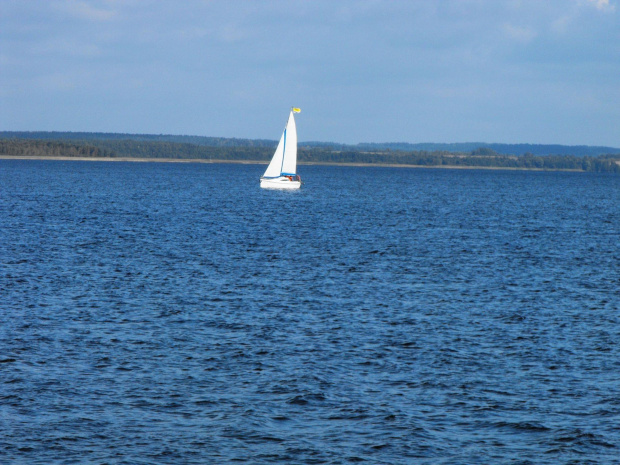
point(281, 172)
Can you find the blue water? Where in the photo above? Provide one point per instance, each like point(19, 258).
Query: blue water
point(157, 313)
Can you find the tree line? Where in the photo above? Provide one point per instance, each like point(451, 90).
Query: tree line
point(481, 157)
point(107, 136)
point(458, 147)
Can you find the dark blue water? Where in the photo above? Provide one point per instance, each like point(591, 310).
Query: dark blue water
point(159, 313)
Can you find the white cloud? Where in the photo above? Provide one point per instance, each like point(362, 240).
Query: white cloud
point(603, 5)
point(85, 10)
point(561, 25)
point(69, 48)
point(520, 34)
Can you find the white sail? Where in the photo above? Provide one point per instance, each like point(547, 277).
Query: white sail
point(284, 159)
point(289, 164)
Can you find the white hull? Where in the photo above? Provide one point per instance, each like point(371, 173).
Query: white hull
point(279, 183)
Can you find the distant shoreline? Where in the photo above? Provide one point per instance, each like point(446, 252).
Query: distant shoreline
point(258, 162)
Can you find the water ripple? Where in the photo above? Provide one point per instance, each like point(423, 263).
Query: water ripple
point(157, 313)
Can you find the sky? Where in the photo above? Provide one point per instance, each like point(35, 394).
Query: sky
point(503, 71)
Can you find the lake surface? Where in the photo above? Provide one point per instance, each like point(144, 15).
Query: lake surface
point(169, 313)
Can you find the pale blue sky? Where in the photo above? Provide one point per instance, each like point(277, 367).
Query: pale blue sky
point(537, 71)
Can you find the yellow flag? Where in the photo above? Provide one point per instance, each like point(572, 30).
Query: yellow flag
point(296, 110)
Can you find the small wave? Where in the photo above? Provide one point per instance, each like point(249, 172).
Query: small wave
point(522, 426)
